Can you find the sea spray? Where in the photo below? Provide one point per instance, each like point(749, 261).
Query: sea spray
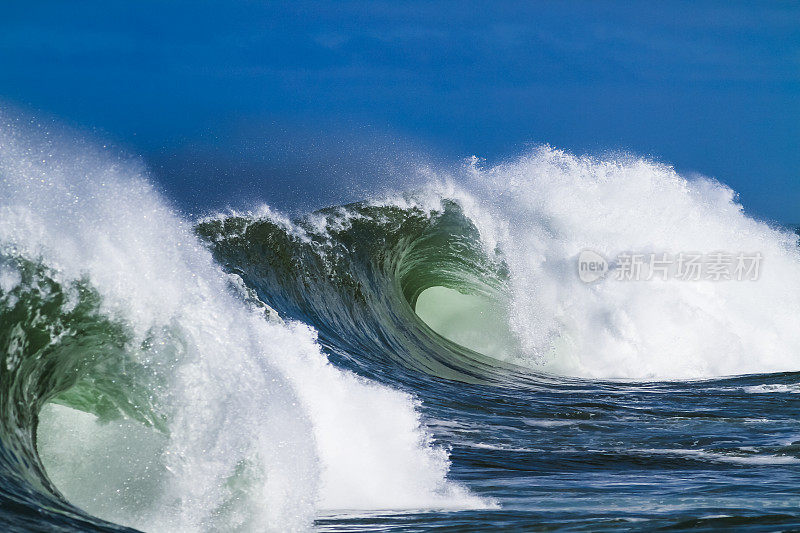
point(550, 205)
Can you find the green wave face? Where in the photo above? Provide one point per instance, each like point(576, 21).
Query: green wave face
point(413, 284)
point(57, 345)
point(474, 321)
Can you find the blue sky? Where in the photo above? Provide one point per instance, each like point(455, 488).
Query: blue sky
point(296, 103)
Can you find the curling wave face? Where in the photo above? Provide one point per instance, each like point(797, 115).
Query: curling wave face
point(356, 274)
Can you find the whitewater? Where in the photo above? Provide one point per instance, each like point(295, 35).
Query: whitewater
point(415, 359)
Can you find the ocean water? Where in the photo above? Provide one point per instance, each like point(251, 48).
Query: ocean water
point(422, 360)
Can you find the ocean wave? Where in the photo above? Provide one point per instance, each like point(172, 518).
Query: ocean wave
point(113, 310)
point(479, 279)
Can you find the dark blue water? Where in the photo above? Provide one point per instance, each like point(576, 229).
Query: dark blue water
point(591, 456)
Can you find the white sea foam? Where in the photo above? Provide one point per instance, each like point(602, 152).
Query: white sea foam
point(717, 457)
point(793, 388)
